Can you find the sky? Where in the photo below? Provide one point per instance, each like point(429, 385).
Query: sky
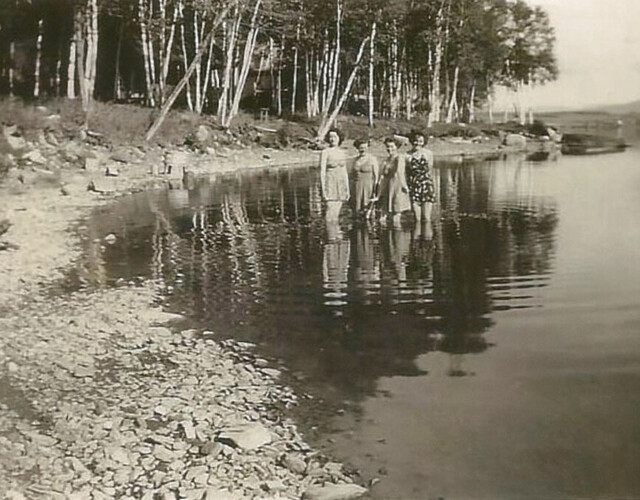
point(598, 52)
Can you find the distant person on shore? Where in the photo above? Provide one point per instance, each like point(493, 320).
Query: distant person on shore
point(420, 178)
point(366, 173)
point(334, 179)
point(393, 190)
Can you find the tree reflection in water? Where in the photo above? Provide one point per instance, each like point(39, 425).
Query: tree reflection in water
point(250, 256)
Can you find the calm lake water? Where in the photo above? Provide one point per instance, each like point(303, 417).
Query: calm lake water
point(494, 357)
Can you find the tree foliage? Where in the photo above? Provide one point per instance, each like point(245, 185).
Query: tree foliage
point(441, 58)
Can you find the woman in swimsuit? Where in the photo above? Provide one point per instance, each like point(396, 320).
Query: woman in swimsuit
point(420, 178)
point(365, 170)
point(333, 175)
point(393, 189)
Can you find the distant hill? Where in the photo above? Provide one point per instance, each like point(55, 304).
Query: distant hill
point(621, 109)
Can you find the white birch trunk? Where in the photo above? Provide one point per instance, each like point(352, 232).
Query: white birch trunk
point(394, 76)
point(472, 104)
point(208, 75)
point(326, 63)
point(92, 53)
point(279, 94)
point(308, 83)
point(372, 54)
point(519, 101)
point(162, 8)
point(294, 84)
point(36, 76)
point(246, 63)
point(196, 43)
point(226, 79)
point(327, 123)
point(453, 104)
point(176, 91)
point(12, 62)
point(117, 87)
point(58, 78)
point(185, 59)
point(71, 69)
point(434, 97)
point(145, 51)
point(319, 69)
point(166, 62)
point(335, 62)
point(80, 55)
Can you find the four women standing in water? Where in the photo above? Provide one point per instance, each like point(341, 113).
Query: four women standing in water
point(403, 182)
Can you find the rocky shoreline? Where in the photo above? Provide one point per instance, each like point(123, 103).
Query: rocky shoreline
point(103, 394)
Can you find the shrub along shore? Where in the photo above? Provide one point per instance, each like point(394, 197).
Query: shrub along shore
point(103, 394)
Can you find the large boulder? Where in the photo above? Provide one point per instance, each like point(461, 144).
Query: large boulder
point(246, 436)
point(515, 140)
point(334, 492)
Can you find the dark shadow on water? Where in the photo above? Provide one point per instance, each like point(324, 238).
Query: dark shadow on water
point(249, 256)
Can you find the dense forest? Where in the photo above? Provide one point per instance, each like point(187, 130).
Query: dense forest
point(394, 58)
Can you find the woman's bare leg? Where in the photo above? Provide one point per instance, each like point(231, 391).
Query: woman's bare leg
point(427, 230)
point(417, 211)
point(427, 208)
point(333, 210)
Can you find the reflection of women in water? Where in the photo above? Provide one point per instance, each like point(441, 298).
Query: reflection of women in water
point(335, 268)
point(366, 270)
point(393, 190)
point(365, 171)
point(333, 175)
point(420, 178)
point(395, 245)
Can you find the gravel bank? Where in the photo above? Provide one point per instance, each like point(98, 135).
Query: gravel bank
point(103, 395)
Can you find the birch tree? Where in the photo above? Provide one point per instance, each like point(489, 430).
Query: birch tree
point(86, 50)
point(157, 21)
point(530, 59)
point(328, 122)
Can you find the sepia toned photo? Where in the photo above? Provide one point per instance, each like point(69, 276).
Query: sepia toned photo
point(304, 250)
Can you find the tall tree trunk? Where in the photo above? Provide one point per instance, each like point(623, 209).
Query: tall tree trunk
point(520, 103)
point(36, 73)
point(394, 75)
point(80, 57)
point(326, 124)
point(438, 52)
point(272, 78)
point(372, 54)
point(196, 60)
point(323, 82)
point(185, 59)
point(168, 49)
point(196, 43)
point(246, 63)
point(117, 85)
point(207, 75)
point(58, 77)
point(335, 60)
point(226, 79)
point(453, 103)
point(294, 84)
point(280, 64)
point(92, 50)
point(12, 62)
point(146, 56)
point(71, 67)
point(308, 83)
point(472, 104)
